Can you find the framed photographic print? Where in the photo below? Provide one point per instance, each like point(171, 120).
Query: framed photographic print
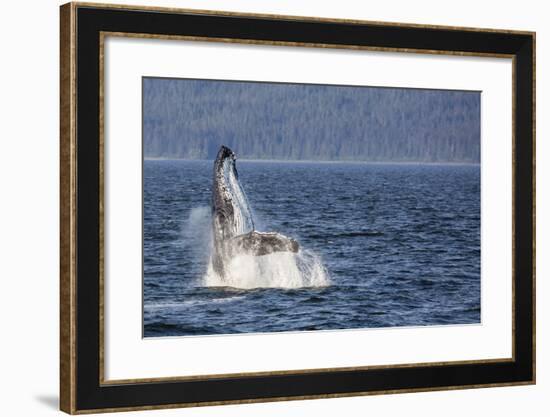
point(264, 208)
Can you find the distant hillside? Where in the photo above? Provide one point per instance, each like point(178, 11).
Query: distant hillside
point(192, 118)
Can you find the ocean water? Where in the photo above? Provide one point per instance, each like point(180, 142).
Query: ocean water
point(382, 245)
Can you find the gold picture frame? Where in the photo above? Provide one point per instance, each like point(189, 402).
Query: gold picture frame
point(80, 390)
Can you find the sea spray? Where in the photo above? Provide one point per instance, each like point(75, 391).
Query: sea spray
point(196, 235)
point(245, 271)
point(276, 270)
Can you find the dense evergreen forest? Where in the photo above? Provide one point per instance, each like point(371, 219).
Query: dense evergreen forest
point(191, 118)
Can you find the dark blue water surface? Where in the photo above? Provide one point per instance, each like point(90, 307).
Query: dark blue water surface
point(401, 244)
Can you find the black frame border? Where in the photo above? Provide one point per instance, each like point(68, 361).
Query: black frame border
point(90, 395)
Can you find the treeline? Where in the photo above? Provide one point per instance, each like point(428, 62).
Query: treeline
point(191, 118)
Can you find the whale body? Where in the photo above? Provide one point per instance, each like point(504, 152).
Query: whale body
point(233, 230)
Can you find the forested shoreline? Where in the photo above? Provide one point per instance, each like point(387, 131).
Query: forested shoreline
point(190, 119)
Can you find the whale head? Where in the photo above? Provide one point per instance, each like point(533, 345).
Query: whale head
point(231, 212)
point(225, 153)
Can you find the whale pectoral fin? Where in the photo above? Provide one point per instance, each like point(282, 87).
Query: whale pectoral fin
point(258, 243)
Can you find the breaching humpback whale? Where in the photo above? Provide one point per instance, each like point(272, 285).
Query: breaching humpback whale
point(233, 229)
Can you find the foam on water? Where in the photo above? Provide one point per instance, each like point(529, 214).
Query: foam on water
point(190, 303)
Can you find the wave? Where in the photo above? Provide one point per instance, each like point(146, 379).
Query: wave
point(346, 234)
point(189, 303)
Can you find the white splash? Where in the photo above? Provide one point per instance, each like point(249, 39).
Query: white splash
point(244, 270)
point(276, 270)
